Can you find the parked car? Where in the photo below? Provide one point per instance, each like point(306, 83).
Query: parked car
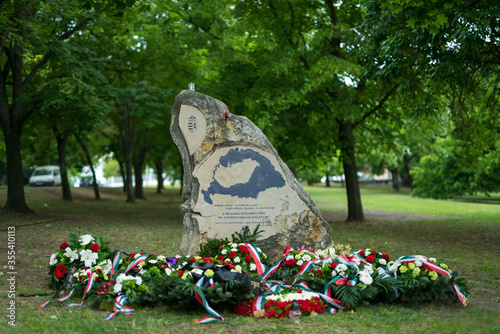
point(45, 176)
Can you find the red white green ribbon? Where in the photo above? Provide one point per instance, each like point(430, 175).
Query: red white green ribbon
point(203, 301)
point(136, 262)
point(261, 268)
point(116, 262)
point(120, 307)
point(91, 278)
point(60, 299)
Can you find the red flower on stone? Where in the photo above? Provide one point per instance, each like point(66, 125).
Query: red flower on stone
point(60, 271)
point(386, 256)
point(290, 263)
point(232, 254)
point(248, 258)
point(64, 245)
point(94, 247)
point(370, 258)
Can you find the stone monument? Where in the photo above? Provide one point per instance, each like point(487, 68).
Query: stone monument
point(233, 178)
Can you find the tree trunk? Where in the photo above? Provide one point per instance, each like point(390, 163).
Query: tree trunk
point(327, 180)
point(62, 139)
point(15, 183)
point(139, 166)
point(395, 179)
point(159, 174)
point(123, 174)
point(354, 206)
point(89, 161)
point(405, 174)
point(127, 126)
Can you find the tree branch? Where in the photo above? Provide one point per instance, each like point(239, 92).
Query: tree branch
point(46, 57)
point(379, 105)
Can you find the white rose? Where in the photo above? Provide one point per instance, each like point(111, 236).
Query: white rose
point(168, 271)
point(300, 262)
point(418, 263)
point(432, 259)
point(234, 245)
point(53, 259)
point(138, 280)
point(237, 259)
point(117, 288)
point(153, 261)
point(238, 268)
point(253, 267)
point(224, 252)
point(85, 239)
point(365, 278)
point(382, 262)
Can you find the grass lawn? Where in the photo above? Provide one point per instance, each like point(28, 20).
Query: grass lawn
point(464, 235)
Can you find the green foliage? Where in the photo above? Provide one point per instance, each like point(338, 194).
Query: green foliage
point(211, 247)
point(246, 236)
point(449, 172)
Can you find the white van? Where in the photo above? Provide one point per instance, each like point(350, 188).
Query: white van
point(46, 176)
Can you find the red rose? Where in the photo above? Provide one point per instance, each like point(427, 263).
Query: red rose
point(137, 269)
point(164, 266)
point(220, 258)
point(221, 246)
point(99, 271)
point(333, 265)
point(97, 279)
point(248, 258)
point(232, 254)
point(386, 256)
point(181, 272)
point(370, 258)
point(64, 245)
point(362, 252)
point(318, 273)
point(244, 249)
point(290, 263)
point(131, 255)
point(60, 271)
point(208, 260)
point(94, 247)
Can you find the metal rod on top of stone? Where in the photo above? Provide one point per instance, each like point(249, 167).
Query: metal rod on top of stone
point(191, 86)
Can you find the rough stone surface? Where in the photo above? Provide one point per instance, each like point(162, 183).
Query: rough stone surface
point(233, 178)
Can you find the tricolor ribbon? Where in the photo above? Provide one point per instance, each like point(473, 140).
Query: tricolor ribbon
point(203, 301)
point(261, 268)
point(136, 262)
point(60, 299)
point(91, 279)
point(116, 262)
point(120, 307)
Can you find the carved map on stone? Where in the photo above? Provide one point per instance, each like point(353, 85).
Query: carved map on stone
point(263, 177)
point(233, 178)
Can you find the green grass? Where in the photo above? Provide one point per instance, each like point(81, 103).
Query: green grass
point(466, 236)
